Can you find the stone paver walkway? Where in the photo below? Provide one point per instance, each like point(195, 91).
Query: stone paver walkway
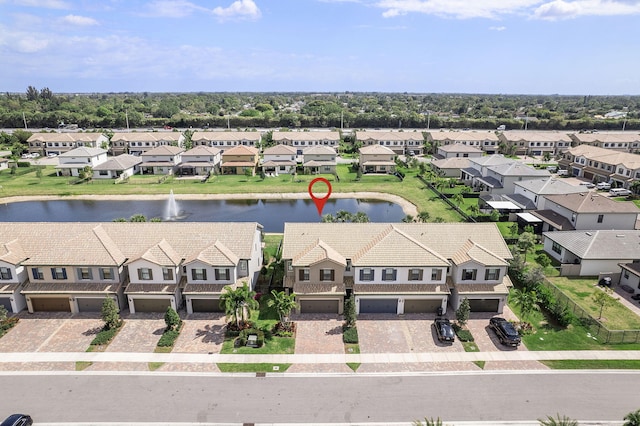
point(201, 333)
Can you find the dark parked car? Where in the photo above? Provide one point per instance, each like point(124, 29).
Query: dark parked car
point(506, 332)
point(17, 420)
point(636, 296)
point(605, 282)
point(444, 330)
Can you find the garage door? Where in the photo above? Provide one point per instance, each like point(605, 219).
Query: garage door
point(378, 306)
point(50, 304)
point(319, 306)
point(90, 304)
point(588, 175)
point(206, 305)
point(417, 306)
point(484, 305)
point(151, 305)
point(6, 302)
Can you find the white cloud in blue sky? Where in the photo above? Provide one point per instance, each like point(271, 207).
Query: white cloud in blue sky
point(479, 46)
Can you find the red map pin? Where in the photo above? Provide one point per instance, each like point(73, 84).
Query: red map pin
point(320, 202)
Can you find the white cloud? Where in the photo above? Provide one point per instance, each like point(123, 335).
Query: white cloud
point(462, 9)
point(560, 9)
point(239, 9)
point(83, 21)
point(172, 9)
point(497, 28)
point(48, 4)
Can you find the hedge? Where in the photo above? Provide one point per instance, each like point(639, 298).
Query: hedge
point(350, 335)
point(168, 338)
point(104, 337)
point(244, 335)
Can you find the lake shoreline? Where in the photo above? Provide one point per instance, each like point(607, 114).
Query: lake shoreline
point(407, 207)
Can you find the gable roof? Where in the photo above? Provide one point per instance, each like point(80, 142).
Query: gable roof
point(83, 151)
point(518, 169)
point(240, 150)
point(163, 150)
point(146, 136)
point(121, 162)
point(216, 254)
point(226, 136)
point(592, 203)
point(599, 244)
point(528, 136)
point(161, 254)
point(317, 252)
point(319, 150)
point(202, 150)
point(66, 137)
point(12, 252)
point(463, 136)
point(459, 147)
point(280, 149)
point(550, 186)
point(491, 160)
point(451, 163)
point(389, 136)
point(305, 136)
point(472, 251)
point(376, 149)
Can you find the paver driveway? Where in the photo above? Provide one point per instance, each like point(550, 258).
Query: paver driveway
point(201, 333)
point(140, 333)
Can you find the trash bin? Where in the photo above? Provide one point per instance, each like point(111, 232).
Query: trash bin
point(440, 311)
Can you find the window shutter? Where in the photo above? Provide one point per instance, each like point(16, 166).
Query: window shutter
point(204, 274)
point(90, 274)
point(395, 273)
point(301, 275)
point(486, 274)
point(139, 273)
point(34, 273)
point(361, 274)
point(227, 274)
point(64, 273)
point(420, 274)
point(217, 274)
point(332, 275)
point(53, 273)
point(101, 274)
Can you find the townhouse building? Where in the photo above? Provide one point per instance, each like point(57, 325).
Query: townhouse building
point(144, 267)
point(401, 143)
point(536, 143)
point(620, 169)
point(625, 142)
point(302, 140)
point(138, 143)
point(486, 141)
point(227, 139)
point(58, 143)
point(396, 268)
point(162, 160)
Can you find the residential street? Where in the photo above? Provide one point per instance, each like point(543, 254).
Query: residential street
point(85, 398)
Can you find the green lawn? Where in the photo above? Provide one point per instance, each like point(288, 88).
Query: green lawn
point(616, 317)
point(253, 368)
point(271, 243)
point(570, 364)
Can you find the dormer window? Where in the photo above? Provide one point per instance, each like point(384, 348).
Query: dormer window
point(5, 274)
point(469, 274)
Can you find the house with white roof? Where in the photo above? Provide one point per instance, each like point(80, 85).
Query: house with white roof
point(396, 268)
point(71, 163)
point(279, 159)
point(200, 160)
point(496, 174)
point(162, 160)
point(121, 166)
point(537, 189)
point(377, 159)
point(319, 160)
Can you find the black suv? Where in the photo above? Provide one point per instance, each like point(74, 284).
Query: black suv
point(17, 420)
point(506, 332)
point(444, 330)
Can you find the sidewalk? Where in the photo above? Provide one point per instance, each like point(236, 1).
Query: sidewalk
point(388, 358)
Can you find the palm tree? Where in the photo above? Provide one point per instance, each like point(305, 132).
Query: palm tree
point(284, 304)
point(458, 199)
point(237, 302)
point(527, 300)
point(407, 219)
point(424, 216)
point(559, 421)
point(473, 209)
point(428, 422)
point(632, 419)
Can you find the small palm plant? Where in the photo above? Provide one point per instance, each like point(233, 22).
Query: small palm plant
point(558, 421)
point(428, 422)
point(632, 419)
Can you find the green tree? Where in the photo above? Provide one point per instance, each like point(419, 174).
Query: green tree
point(513, 229)
point(138, 218)
point(558, 421)
point(494, 216)
point(463, 311)
point(632, 419)
point(284, 304)
point(423, 216)
point(3, 314)
point(110, 314)
point(86, 173)
point(543, 260)
point(428, 422)
point(172, 319)
point(603, 299)
point(458, 199)
point(533, 277)
point(408, 219)
point(526, 242)
point(238, 303)
point(526, 300)
point(350, 312)
point(473, 210)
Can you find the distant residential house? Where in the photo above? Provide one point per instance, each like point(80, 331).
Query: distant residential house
point(302, 140)
point(200, 160)
point(486, 141)
point(227, 139)
point(162, 160)
point(630, 276)
point(319, 159)
point(236, 160)
point(458, 150)
point(4, 162)
point(586, 211)
point(395, 268)
point(593, 252)
point(626, 142)
point(71, 163)
point(620, 169)
point(496, 174)
point(121, 166)
point(537, 189)
point(138, 143)
point(536, 143)
point(377, 159)
point(59, 143)
point(279, 159)
point(450, 167)
point(401, 143)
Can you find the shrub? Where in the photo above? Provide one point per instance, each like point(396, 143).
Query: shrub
point(543, 260)
point(244, 335)
point(350, 335)
point(168, 338)
point(561, 314)
point(172, 319)
point(7, 324)
point(3, 313)
point(463, 335)
point(104, 337)
point(110, 314)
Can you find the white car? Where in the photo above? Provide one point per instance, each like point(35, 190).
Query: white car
point(603, 186)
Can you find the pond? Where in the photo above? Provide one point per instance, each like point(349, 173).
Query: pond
point(272, 214)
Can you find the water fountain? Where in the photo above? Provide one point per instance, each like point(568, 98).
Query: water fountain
point(172, 210)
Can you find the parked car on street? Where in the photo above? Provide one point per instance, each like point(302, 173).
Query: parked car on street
point(603, 186)
point(17, 420)
point(619, 192)
point(588, 184)
point(444, 330)
point(506, 332)
point(563, 172)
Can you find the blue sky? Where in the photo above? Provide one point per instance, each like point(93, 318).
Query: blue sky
point(427, 46)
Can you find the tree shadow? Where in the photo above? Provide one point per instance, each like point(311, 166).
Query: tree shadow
point(211, 334)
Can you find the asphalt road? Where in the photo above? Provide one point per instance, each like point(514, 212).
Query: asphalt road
point(485, 396)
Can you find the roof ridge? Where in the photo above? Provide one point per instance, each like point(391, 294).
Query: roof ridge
point(373, 242)
point(104, 236)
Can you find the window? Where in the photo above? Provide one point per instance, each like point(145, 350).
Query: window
point(626, 274)
point(366, 274)
point(198, 274)
point(222, 274)
point(327, 275)
point(436, 274)
point(492, 274)
point(145, 274)
point(243, 265)
point(167, 274)
point(59, 273)
point(556, 247)
point(468, 274)
point(85, 274)
point(106, 273)
point(5, 274)
point(304, 274)
point(388, 274)
point(348, 267)
point(415, 274)
point(37, 273)
point(600, 218)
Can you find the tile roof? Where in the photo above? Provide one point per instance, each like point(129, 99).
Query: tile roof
point(83, 151)
point(528, 135)
point(463, 136)
point(471, 251)
point(317, 252)
point(592, 202)
point(318, 288)
point(389, 136)
point(306, 136)
point(280, 150)
point(459, 147)
point(225, 136)
point(161, 254)
point(517, 169)
point(240, 150)
point(491, 160)
point(163, 150)
point(319, 149)
point(376, 149)
point(607, 156)
point(550, 186)
point(599, 244)
point(556, 220)
point(216, 255)
point(12, 252)
point(65, 137)
point(8, 288)
point(70, 287)
point(607, 137)
point(151, 289)
point(146, 137)
point(401, 288)
point(201, 150)
point(121, 162)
